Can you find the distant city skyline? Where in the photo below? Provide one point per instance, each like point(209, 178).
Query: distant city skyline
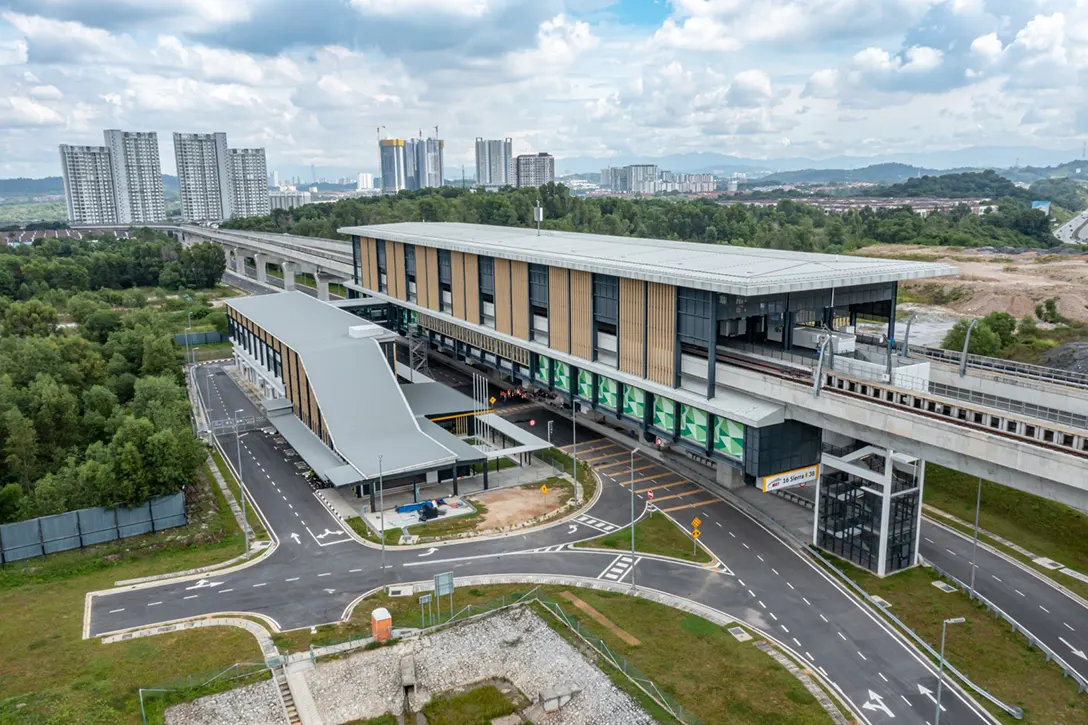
point(592, 82)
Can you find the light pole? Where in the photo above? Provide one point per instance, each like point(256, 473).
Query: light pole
point(187, 333)
point(940, 672)
point(381, 508)
point(574, 433)
point(966, 344)
point(241, 478)
point(974, 551)
point(632, 486)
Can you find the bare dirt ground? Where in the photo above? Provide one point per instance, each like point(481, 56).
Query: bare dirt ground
point(514, 505)
point(990, 282)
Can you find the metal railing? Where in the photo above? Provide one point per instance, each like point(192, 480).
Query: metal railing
point(1014, 710)
point(197, 681)
point(1007, 367)
point(1051, 655)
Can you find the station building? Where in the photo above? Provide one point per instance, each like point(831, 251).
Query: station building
point(645, 333)
point(330, 388)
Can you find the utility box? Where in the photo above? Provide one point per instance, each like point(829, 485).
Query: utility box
point(381, 625)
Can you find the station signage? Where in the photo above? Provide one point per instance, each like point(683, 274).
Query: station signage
point(789, 479)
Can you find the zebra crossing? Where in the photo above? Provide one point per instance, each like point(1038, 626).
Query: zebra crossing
point(548, 549)
point(594, 523)
point(619, 568)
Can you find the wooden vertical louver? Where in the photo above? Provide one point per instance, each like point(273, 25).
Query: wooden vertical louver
point(519, 299)
point(472, 288)
point(632, 326)
point(457, 283)
point(661, 333)
point(559, 308)
point(433, 298)
point(397, 284)
point(581, 314)
point(502, 295)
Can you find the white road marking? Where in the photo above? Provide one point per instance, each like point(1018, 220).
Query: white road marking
point(290, 506)
point(328, 573)
point(751, 592)
point(153, 604)
point(796, 642)
point(762, 604)
point(292, 579)
point(775, 571)
point(115, 611)
point(773, 617)
point(908, 702)
point(742, 582)
point(191, 596)
point(717, 524)
point(1069, 628)
point(1018, 592)
point(929, 539)
point(824, 618)
point(862, 656)
point(745, 545)
point(841, 636)
point(995, 578)
point(759, 557)
point(950, 552)
point(354, 571)
point(1044, 609)
point(260, 585)
point(803, 599)
point(784, 629)
point(882, 676)
point(732, 534)
point(224, 591)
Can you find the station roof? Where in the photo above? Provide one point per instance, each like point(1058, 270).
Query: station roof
point(303, 322)
point(742, 271)
point(436, 399)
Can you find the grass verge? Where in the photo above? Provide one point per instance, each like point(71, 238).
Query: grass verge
point(49, 674)
point(717, 678)
point(654, 534)
point(475, 707)
point(252, 518)
point(1039, 525)
point(560, 459)
point(392, 536)
point(983, 648)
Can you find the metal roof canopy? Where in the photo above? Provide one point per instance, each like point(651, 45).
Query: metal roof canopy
point(742, 271)
point(317, 455)
point(465, 453)
point(528, 441)
point(436, 399)
point(302, 322)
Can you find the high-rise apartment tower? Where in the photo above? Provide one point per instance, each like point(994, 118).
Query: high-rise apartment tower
point(495, 162)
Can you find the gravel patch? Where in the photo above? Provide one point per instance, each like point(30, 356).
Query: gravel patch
point(257, 704)
point(516, 645)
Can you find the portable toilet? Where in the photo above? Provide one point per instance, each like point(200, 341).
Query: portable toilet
point(381, 625)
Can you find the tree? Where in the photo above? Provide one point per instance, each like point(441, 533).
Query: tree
point(202, 264)
point(30, 319)
point(171, 276)
point(21, 447)
point(1004, 325)
point(219, 319)
point(11, 501)
point(100, 324)
point(160, 355)
point(984, 341)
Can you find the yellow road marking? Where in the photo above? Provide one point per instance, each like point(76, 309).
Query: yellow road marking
point(587, 447)
point(658, 499)
point(647, 479)
point(662, 485)
point(636, 470)
point(599, 458)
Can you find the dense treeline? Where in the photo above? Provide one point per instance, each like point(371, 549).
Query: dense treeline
point(971, 185)
point(93, 412)
point(786, 225)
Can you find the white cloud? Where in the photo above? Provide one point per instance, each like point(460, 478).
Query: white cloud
point(18, 111)
point(13, 52)
point(697, 33)
point(823, 83)
point(46, 93)
point(988, 47)
point(921, 59)
point(750, 88)
point(413, 8)
point(57, 41)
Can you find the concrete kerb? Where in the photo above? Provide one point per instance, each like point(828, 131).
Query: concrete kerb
point(213, 619)
point(584, 509)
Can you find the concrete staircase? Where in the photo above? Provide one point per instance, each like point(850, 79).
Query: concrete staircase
point(286, 698)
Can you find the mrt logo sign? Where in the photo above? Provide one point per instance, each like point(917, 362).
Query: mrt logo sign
point(789, 479)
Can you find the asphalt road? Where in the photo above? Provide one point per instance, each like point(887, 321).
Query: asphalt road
point(316, 573)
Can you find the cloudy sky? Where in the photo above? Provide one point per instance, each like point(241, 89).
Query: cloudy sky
point(312, 80)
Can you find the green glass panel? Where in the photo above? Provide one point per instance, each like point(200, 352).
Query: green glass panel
point(693, 424)
point(585, 384)
point(607, 393)
point(542, 366)
point(729, 438)
point(634, 402)
point(562, 376)
point(664, 416)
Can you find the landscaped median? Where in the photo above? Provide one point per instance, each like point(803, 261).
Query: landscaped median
point(656, 534)
point(983, 648)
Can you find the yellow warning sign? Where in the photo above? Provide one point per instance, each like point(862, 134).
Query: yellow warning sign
point(695, 534)
point(695, 522)
point(544, 489)
point(492, 400)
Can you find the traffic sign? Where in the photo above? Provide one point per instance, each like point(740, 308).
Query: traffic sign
point(659, 442)
point(532, 421)
point(492, 400)
point(695, 534)
point(443, 584)
point(650, 495)
point(544, 489)
point(695, 522)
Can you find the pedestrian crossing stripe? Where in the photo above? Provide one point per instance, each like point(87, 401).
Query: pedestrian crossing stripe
point(596, 524)
point(549, 549)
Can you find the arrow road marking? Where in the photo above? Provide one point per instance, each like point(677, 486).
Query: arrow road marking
point(330, 591)
point(876, 702)
point(295, 537)
point(923, 690)
point(428, 552)
point(1077, 652)
point(328, 533)
point(203, 583)
point(572, 529)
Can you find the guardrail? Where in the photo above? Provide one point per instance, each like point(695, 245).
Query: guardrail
point(1014, 710)
point(1051, 655)
point(1008, 367)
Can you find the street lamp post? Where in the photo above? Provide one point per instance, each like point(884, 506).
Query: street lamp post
point(940, 672)
point(632, 487)
point(241, 478)
point(974, 551)
point(187, 333)
point(381, 507)
point(574, 433)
